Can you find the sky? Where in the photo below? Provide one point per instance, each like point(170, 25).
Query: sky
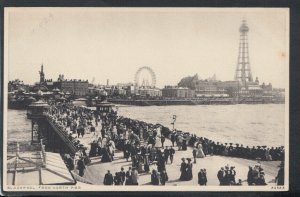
point(113, 43)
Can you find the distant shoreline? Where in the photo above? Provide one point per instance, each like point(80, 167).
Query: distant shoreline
point(216, 101)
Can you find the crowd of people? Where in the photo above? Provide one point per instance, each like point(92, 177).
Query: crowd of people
point(256, 175)
point(226, 175)
point(209, 147)
point(143, 144)
point(122, 178)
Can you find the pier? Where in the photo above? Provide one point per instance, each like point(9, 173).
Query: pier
point(57, 140)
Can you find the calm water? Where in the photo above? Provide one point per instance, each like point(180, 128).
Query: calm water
point(244, 124)
point(19, 127)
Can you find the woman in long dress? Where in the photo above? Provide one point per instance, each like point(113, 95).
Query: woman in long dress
point(200, 153)
point(158, 136)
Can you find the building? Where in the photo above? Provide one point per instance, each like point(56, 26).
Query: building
point(177, 92)
point(209, 87)
point(74, 87)
point(17, 85)
point(128, 87)
point(150, 92)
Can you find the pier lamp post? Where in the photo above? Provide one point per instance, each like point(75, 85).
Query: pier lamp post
point(173, 123)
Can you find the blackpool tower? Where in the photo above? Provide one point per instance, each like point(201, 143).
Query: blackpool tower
point(243, 70)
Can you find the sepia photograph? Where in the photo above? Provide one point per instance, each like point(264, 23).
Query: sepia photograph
point(146, 99)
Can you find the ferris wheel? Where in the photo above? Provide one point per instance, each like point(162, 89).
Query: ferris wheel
point(138, 73)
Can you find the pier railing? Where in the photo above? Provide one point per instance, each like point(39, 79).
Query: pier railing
point(80, 179)
point(19, 161)
point(63, 135)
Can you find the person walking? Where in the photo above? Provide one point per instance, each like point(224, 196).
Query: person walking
point(183, 170)
point(154, 178)
point(232, 173)
point(200, 153)
point(164, 177)
point(194, 154)
point(166, 153)
point(201, 177)
point(221, 175)
point(173, 138)
point(205, 177)
point(122, 176)
point(81, 167)
point(279, 179)
point(146, 163)
point(249, 176)
point(135, 177)
point(189, 170)
point(128, 177)
point(108, 178)
point(172, 152)
point(162, 140)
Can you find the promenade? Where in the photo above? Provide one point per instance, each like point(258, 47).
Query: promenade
point(96, 170)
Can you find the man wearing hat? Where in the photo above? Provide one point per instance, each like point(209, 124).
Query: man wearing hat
point(108, 178)
point(232, 174)
point(227, 175)
point(220, 175)
point(122, 175)
point(166, 153)
point(173, 138)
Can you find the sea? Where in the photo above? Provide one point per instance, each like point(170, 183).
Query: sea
point(250, 125)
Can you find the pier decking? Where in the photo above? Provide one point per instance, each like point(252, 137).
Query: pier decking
point(38, 168)
point(96, 170)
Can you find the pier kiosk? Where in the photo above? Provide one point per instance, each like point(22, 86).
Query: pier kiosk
point(104, 107)
point(35, 112)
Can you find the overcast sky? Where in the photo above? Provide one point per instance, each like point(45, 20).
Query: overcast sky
point(112, 43)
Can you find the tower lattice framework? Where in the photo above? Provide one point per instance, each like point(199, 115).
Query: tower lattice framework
point(243, 70)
